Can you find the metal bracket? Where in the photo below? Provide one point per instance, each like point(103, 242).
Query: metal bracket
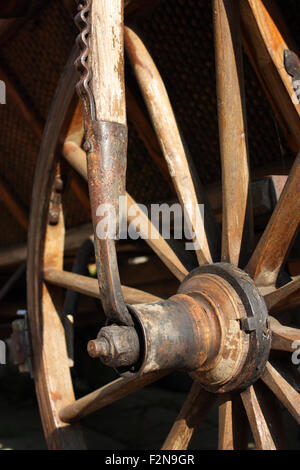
point(256, 323)
point(292, 66)
point(20, 345)
point(248, 324)
point(55, 201)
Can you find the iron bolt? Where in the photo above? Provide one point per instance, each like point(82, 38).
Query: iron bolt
point(116, 346)
point(98, 348)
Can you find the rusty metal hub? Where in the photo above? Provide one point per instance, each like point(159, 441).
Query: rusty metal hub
point(215, 328)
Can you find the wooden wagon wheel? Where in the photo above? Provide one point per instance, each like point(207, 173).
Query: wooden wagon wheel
point(217, 327)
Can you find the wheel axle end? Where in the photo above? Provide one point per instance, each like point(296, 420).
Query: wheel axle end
point(115, 346)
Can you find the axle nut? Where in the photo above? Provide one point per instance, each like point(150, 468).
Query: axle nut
point(116, 346)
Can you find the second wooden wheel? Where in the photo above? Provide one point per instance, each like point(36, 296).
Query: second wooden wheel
point(220, 326)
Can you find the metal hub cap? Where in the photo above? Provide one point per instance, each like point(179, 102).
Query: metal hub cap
point(215, 328)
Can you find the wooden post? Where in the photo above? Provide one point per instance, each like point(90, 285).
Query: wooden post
point(106, 60)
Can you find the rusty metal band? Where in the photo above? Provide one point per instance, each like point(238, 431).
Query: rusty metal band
point(106, 147)
point(106, 162)
point(256, 324)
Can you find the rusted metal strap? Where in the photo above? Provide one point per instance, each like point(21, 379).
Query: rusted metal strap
point(292, 66)
point(106, 147)
point(106, 162)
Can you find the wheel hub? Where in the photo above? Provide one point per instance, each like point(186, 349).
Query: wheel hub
point(215, 328)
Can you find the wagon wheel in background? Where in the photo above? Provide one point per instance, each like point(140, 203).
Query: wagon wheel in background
point(217, 326)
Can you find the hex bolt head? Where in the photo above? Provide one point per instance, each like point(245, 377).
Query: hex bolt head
point(116, 346)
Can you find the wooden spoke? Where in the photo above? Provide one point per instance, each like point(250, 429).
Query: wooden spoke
point(106, 395)
point(159, 245)
point(272, 248)
point(267, 37)
point(285, 298)
point(164, 122)
point(89, 286)
point(283, 390)
point(232, 128)
point(193, 412)
point(261, 432)
point(233, 424)
point(283, 336)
